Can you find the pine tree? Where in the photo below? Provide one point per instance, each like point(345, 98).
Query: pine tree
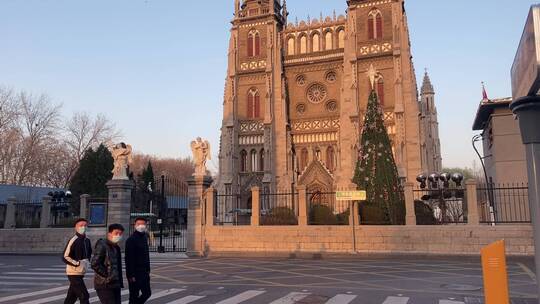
point(95, 170)
point(148, 176)
point(376, 170)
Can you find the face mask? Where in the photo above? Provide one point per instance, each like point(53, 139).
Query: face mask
point(81, 230)
point(116, 239)
point(141, 228)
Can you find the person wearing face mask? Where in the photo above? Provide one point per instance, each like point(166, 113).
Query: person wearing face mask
point(138, 264)
point(76, 256)
point(107, 265)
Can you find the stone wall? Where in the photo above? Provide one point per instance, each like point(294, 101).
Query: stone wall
point(424, 240)
point(48, 240)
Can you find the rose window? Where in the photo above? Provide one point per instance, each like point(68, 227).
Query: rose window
point(316, 93)
point(331, 106)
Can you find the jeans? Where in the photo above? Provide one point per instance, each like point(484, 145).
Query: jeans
point(139, 291)
point(77, 290)
point(109, 295)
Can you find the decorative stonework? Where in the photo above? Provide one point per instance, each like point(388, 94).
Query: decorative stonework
point(375, 49)
point(315, 138)
point(315, 58)
point(301, 108)
point(253, 65)
point(331, 106)
point(301, 80)
point(249, 140)
point(331, 77)
point(251, 126)
point(317, 124)
point(317, 93)
point(374, 3)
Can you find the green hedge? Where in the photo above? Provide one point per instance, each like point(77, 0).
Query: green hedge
point(373, 214)
point(323, 215)
point(279, 216)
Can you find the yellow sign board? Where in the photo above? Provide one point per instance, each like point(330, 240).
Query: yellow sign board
point(495, 275)
point(351, 195)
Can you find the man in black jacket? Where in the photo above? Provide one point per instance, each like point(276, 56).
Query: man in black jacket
point(138, 264)
point(107, 265)
point(76, 256)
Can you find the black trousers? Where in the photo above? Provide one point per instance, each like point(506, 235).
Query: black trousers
point(77, 290)
point(139, 291)
point(109, 295)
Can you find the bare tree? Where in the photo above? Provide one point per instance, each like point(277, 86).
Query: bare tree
point(178, 168)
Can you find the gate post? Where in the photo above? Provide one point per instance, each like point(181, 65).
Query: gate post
point(45, 212)
point(197, 186)
point(255, 206)
point(472, 203)
point(10, 221)
point(210, 199)
point(410, 214)
point(302, 206)
point(119, 202)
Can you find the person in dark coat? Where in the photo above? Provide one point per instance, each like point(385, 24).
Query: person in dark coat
point(107, 265)
point(76, 257)
point(138, 263)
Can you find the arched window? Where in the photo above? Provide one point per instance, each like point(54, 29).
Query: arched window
point(303, 44)
point(341, 39)
point(304, 158)
point(243, 161)
point(254, 44)
point(261, 160)
point(315, 42)
point(375, 25)
point(254, 161)
point(318, 154)
point(380, 90)
point(330, 159)
point(291, 46)
point(254, 104)
point(328, 41)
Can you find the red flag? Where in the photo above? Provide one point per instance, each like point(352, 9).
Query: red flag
point(484, 92)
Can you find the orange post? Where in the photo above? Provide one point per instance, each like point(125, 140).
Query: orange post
point(495, 275)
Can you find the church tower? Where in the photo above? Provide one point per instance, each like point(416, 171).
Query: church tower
point(429, 129)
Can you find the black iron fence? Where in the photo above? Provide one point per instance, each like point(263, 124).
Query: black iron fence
point(165, 237)
point(280, 208)
point(28, 214)
point(232, 209)
point(324, 209)
point(3, 208)
point(503, 203)
point(61, 215)
point(440, 206)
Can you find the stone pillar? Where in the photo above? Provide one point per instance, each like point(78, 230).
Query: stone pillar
point(119, 205)
point(197, 186)
point(83, 209)
point(9, 222)
point(45, 212)
point(472, 202)
point(410, 219)
point(210, 199)
point(302, 206)
point(255, 206)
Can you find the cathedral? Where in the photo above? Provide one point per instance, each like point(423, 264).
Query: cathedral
point(296, 93)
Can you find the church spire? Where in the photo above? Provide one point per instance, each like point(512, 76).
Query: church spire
point(285, 12)
point(427, 87)
point(236, 8)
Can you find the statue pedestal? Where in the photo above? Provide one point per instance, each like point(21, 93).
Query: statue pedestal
point(119, 206)
point(197, 186)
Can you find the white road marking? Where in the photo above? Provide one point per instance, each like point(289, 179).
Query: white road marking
point(450, 302)
point(27, 283)
point(34, 278)
point(161, 294)
point(51, 299)
point(41, 273)
point(31, 294)
point(396, 300)
point(244, 296)
point(291, 298)
point(96, 299)
point(341, 299)
point(186, 300)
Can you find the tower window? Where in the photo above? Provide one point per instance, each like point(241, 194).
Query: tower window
point(341, 39)
point(330, 157)
point(254, 161)
point(316, 42)
point(243, 161)
point(380, 90)
point(254, 44)
point(303, 44)
point(261, 160)
point(375, 25)
point(291, 46)
point(328, 41)
point(303, 159)
point(254, 104)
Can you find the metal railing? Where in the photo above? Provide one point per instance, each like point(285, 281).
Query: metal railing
point(503, 203)
point(28, 214)
point(3, 209)
point(61, 215)
point(279, 208)
point(324, 209)
point(440, 206)
point(232, 209)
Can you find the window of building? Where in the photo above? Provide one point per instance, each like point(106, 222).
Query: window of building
point(254, 161)
point(341, 39)
point(328, 41)
point(380, 90)
point(303, 44)
point(254, 44)
point(375, 25)
point(316, 42)
point(243, 161)
point(261, 160)
point(290, 46)
point(330, 159)
point(254, 104)
point(304, 158)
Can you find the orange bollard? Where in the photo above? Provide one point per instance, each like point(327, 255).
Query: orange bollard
point(495, 275)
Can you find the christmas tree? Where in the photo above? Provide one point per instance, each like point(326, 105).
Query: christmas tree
point(376, 171)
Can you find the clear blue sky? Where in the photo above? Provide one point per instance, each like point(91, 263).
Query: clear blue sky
point(157, 67)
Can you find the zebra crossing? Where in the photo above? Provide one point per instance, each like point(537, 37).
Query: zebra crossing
point(184, 296)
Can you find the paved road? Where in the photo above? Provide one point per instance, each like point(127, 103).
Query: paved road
point(40, 279)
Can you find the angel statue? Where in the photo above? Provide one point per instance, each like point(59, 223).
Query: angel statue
point(201, 154)
point(122, 159)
